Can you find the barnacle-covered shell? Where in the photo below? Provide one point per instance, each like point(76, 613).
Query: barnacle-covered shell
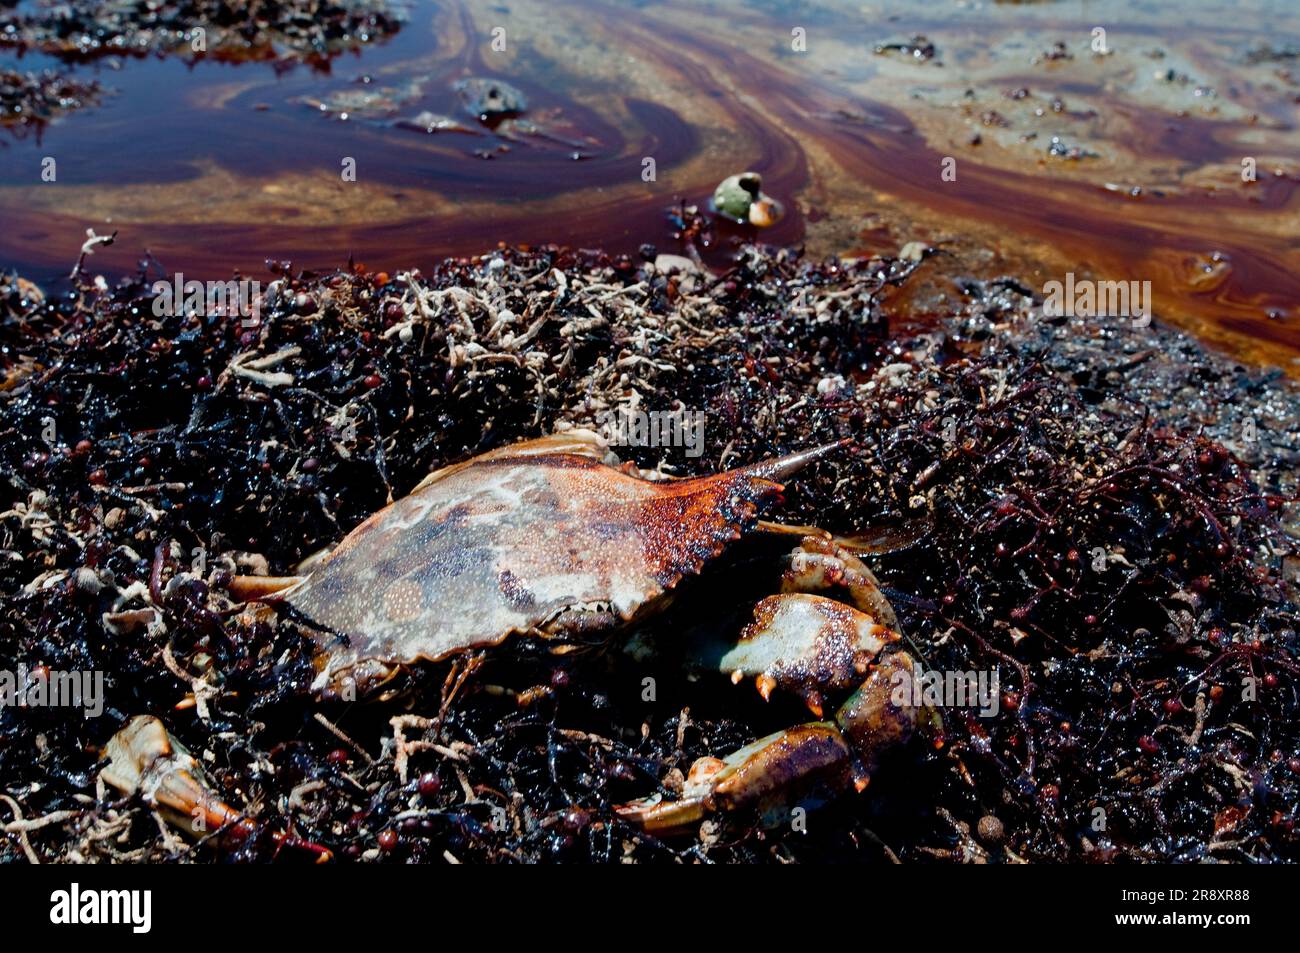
point(541, 536)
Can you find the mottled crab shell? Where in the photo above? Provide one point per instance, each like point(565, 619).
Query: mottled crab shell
point(539, 537)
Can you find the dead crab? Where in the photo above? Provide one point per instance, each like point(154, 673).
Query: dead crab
point(545, 538)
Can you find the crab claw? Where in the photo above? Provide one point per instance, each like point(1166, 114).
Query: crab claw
point(145, 759)
point(664, 818)
point(807, 644)
point(806, 765)
point(815, 647)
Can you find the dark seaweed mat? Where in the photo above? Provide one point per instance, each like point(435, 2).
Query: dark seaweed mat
point(284, 30)
point(1066, 438)
point(29, 100)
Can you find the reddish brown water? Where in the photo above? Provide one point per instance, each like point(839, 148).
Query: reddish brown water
point(213, 168)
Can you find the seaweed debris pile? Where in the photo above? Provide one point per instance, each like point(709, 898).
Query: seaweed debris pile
point(282, 30)
point(29, 100)
point(1100, 513)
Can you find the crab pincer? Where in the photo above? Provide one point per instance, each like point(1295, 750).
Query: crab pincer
point(145, 760)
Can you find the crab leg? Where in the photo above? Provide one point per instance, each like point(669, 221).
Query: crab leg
point(789, 529)
point(256, 588)
point(819, 563)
